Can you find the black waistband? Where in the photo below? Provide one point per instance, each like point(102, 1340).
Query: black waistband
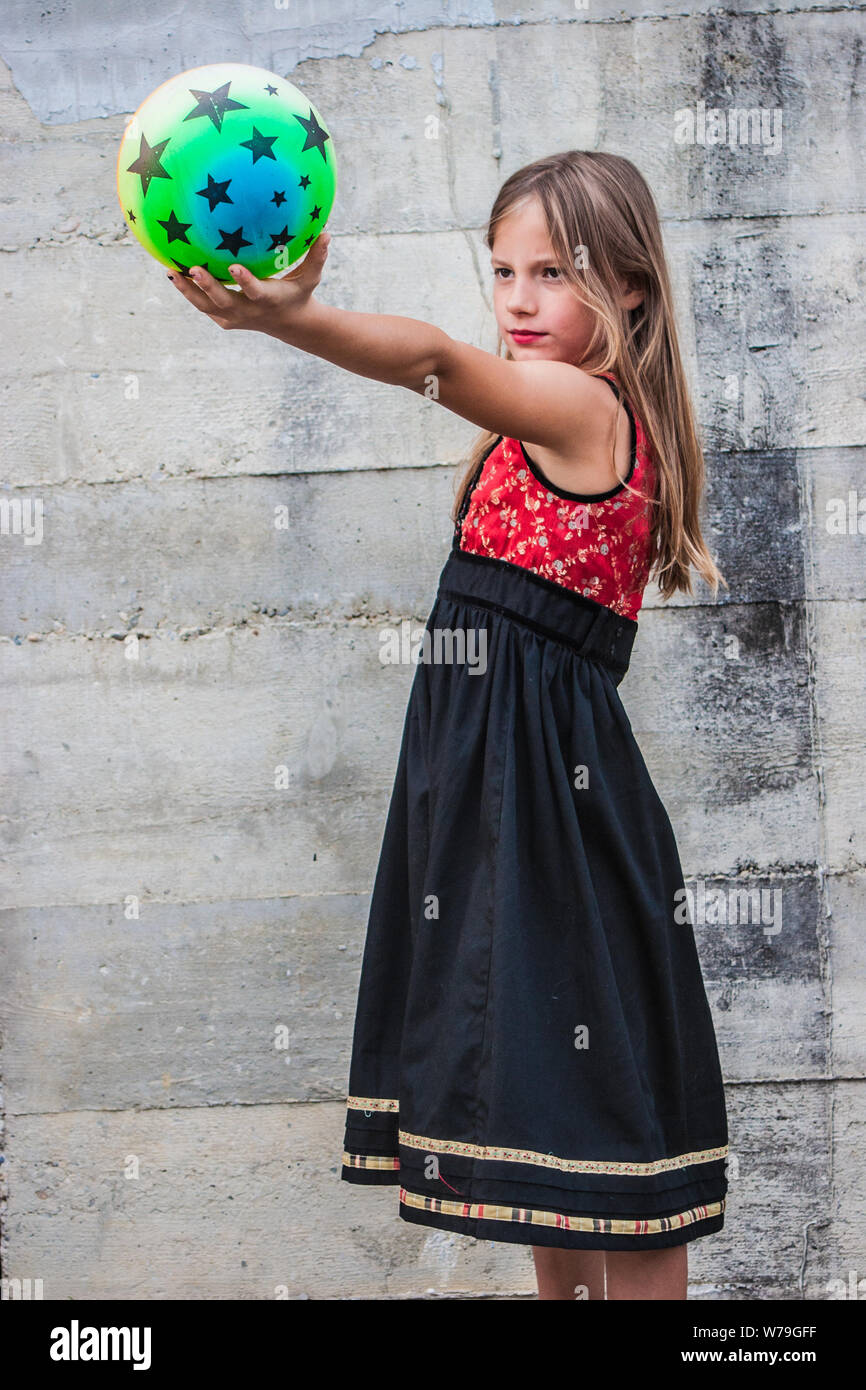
point(579, 622)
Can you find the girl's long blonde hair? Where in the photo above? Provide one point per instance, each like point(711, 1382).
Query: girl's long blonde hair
point(605, 231)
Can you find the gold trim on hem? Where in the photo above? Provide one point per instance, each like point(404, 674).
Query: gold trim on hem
point(371, 1103)
point(562, 1165)
point(493, 1154)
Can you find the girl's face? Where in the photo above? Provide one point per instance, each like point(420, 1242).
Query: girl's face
point(536, 310)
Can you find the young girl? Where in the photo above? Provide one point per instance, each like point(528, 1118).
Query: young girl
point(534, 1058)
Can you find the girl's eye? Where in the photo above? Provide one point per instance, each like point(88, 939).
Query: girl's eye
point(503, 270)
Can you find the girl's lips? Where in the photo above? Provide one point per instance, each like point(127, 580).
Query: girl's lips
point(524, 336)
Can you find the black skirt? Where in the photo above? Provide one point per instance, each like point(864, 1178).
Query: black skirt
point(534, 1057)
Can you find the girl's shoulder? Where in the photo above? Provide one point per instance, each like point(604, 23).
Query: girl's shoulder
point(637, 462)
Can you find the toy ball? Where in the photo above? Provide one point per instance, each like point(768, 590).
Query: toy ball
point(226, 164)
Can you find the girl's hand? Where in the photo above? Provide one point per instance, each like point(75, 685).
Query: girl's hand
point(265, 306)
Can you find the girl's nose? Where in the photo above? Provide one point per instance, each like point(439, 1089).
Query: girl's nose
point(520, 298)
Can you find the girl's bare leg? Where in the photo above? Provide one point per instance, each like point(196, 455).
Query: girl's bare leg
point(637, 1274)
point(575, 1274)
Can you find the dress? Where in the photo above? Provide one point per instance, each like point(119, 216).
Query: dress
point(533, 1057)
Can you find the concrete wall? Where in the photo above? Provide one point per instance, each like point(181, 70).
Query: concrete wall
point(166, 907)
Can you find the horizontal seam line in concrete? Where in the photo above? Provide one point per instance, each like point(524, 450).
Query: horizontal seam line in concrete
point(794, 872)
point(545, 22)
point(194, 902)
point(711, 451)
point(771, 215)
point(322, 620)
point(341, 1100)
point(574, 21)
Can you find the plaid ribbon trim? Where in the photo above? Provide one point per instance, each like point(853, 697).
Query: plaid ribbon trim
point(380, 1162)
point(596, 1225)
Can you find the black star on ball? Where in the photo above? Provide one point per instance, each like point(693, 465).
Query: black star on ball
point(316, 134)
point(147, 166)
point(272, 91)
point(174, 230)
point(214, 105)
point(185, 269)
point(260, 145)
point(316, 213)
point(304, 181)
point(278, 198)
point(280, 238)
point(232, 241)
point(215, 192)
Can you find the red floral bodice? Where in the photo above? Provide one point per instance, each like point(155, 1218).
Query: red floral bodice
point(597, 544)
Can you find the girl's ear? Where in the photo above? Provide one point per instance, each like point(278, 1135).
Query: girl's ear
point(632, 297)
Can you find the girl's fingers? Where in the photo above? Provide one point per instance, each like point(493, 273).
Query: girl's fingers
point(190, 291)
point(205, 292)
point(249, 284)
point(314, 259)
point(209, 294)
point(216, 293)
point(320, 245)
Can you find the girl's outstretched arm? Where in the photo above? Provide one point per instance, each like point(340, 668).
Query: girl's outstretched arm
point(544, 402)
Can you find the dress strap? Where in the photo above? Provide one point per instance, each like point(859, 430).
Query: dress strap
point(467, 497)
point(603, 376)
